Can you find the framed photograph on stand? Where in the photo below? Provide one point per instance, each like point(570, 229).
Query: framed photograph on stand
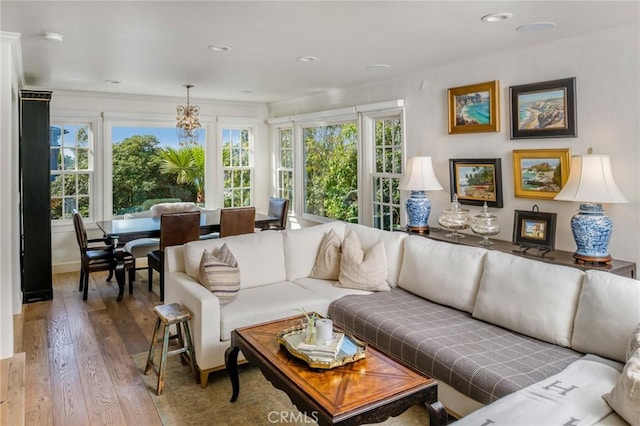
point(534, 229)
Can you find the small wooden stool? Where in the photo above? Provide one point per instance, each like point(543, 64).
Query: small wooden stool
point(169, 315)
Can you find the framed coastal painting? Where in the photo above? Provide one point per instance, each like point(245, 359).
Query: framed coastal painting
point(475, 181)
point(540, 173)
point(534, 229)
point(544, 110)
point(474, 108)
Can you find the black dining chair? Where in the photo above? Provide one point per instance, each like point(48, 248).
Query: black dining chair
point(278, 207)
point(175, 229)
point(101, 257)
point(237, 221)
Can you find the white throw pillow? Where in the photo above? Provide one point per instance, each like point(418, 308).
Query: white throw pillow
point(634, 343)
point(161, 208)
point(624, 398)
point(360, 270)
point(327, 264)
point(220, 274)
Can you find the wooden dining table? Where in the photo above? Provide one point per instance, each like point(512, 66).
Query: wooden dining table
point(122, 231)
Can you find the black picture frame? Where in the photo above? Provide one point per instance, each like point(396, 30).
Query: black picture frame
point(476, 195)
point(554, 101)
point(534, 229)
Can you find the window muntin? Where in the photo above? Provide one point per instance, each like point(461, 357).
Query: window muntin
point(71, 169)
point(387, 173)
point(285, 179)
point(237, 166)
point(331, 170)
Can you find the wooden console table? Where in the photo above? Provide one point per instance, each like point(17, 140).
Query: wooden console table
point(557, 257)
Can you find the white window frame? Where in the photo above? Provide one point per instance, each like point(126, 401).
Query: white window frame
point(95, 164)
point(364, 116)
point(277, 165)
point(236, 124)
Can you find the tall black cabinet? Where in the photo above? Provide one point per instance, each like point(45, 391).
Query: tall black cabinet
point(35, 214)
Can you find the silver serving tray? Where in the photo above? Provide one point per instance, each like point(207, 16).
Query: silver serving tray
point(291, 337)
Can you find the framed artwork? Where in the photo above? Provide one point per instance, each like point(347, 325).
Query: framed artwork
point(540, 173)
point(474, 108)
point(475, 181)
point(544, 110)
point(534, 229)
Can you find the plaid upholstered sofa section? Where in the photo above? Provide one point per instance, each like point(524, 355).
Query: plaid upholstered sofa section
point(478, 359)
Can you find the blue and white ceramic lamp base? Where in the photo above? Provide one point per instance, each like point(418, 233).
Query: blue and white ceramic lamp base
point(418, 210)
point(592, 231)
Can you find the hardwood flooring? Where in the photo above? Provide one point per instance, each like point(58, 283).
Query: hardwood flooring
point(78, 362)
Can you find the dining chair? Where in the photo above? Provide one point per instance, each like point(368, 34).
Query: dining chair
point(237, 221)
point(95, 258)
point(278, 207)
point(175, 229)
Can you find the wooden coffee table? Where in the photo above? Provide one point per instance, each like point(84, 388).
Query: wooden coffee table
point(366, 391)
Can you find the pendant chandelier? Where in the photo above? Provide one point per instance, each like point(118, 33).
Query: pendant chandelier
point(188, 126)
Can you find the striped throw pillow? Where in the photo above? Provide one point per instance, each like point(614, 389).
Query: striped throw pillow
point(220, 274)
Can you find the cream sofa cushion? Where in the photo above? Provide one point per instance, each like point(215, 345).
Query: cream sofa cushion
point(393, 247)
point(608, 312)
point(161, 208)
point(530, 297)
point(444, 273)
point(360, 269)
point(260, 256)
point(301, 247)
point(269, 302)
point(327, 288)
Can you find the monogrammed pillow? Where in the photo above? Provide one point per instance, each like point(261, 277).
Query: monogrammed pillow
point(220, 274)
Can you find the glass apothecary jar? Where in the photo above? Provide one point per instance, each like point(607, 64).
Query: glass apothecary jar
point(455, 219)
point(485, 224)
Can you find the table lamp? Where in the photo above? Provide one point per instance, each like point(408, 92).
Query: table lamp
point(418, 179)
point(591, 183)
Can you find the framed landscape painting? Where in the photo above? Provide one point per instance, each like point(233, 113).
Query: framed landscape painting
point(540, 173)
point(476, 181)
point(544, 110)
point(474, 108)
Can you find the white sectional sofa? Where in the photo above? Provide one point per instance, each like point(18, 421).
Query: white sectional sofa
point(488, 326)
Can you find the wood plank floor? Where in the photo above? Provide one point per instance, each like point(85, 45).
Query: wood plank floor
point(79, 369)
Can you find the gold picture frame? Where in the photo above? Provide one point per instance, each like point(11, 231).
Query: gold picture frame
point(540, 173)
point(474, 108)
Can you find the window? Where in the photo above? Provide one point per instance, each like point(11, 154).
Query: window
point(387, 173)
point(285, 165)
point(237, 165)
point(343, 164)
point(331, 171)
point(71, 169)
point(150, 166)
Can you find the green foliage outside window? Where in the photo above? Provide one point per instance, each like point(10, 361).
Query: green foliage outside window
point(331, 171)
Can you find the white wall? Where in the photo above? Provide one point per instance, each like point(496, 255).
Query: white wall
point(606, 67)
point(10, 290)
point(122, 107)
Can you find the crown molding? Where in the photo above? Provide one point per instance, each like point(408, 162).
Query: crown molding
point(13, 40)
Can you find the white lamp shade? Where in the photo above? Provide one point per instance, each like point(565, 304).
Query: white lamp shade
point(419, 176)
point(591, 180)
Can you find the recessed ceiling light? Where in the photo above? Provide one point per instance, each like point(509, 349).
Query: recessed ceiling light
point(219, 47)
point(246, 92)
point(536, 26)
point(53, 37)
point(497, 17)
point(307, 58)
point(113, 81)
point(378, 66)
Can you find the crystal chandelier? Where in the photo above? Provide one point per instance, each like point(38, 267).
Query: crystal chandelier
point(188, 126)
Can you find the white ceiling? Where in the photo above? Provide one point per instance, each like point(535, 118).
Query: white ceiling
point(155, 47)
